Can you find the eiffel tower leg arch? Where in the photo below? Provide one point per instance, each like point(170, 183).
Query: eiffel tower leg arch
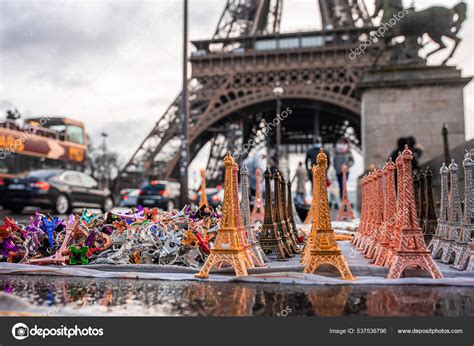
point(339, 115)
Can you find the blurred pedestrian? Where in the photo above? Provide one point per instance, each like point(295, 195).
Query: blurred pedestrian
point(257, 160)
point(343, 156)
point(417, 152)
point(400, 146)
point(300, 177)
point(333, 189)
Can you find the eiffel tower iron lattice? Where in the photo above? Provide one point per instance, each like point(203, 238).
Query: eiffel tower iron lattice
point(258, 212)
point(230, 245)
point(345, 211)
point(324, 249)
point(257, 253)
point(233, 77)
point(270, 240)
point(411, 251)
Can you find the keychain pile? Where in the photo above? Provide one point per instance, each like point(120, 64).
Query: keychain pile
point(139, 236)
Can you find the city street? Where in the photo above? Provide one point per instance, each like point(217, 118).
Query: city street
point(237, 158)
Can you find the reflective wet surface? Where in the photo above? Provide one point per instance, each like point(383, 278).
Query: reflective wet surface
point(60, 296)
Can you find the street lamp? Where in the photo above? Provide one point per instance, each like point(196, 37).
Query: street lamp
point(184, 116)
point(278, 91)
point(104, 158)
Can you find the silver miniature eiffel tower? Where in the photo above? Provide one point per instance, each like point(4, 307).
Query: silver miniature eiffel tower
point(461, 247)
point(439, 244)
point(454, 216)
point(257, 252)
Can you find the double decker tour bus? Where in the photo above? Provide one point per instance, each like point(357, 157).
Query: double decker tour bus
point(46, 142)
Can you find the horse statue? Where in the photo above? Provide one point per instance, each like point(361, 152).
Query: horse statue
point(435, 21)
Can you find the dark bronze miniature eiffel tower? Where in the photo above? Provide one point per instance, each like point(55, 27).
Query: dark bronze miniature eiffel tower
point(289, 206)
point(284, 214)
point(270, 240)
point(430, 222)
point(416, 189)
point(422, 198)
point(278, 214)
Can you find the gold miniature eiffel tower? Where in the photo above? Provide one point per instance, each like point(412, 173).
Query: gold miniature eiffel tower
point(230, 246)
point(315, 217)
point(324, 249)
point(203, 199)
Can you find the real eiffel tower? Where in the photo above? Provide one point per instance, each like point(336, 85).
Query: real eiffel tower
point(233, 78)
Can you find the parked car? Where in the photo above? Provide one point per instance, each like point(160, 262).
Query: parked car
point(129, 197)
point(61, 190)
point(215, 196)
point(163, 194)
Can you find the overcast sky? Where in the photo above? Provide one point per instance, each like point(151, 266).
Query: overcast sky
point(116, 64)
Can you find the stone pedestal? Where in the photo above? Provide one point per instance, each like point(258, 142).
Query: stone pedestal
point(402, 101)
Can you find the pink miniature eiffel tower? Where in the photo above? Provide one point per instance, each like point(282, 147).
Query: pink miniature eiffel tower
point(411, 250)
point(345, 211)
point(378, 215)
point(258, 211)
point(389, 212)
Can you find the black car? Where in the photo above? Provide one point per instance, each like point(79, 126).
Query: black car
point(60, 190)
point(159, 193)
point(215, 196)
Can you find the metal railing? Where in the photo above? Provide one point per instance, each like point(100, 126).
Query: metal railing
point(297, 40)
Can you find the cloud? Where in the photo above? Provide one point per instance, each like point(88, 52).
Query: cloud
point(5, 104)
point(116, 65)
